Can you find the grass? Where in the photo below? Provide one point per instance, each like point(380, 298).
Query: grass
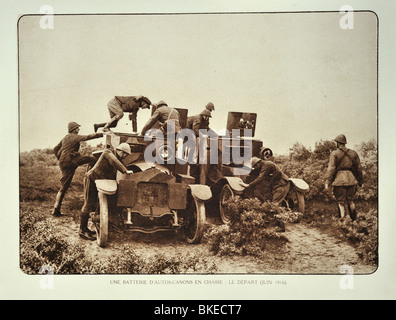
point(361, 233)
point(41, 244)
point(255, 231)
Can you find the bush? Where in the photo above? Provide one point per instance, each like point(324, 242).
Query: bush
point(39, 175)
point(362, 233)
point(128, 262)
point(312, 167)
point(255, 228)
point(41, 245)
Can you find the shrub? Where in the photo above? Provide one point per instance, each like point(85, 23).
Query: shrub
point(362, 233)
point(312, 167)
point(128, 262)
point(41, 245)
point(39, 175)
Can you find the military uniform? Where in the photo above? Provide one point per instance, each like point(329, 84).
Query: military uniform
point(70, 159)
point(344, 172)
point(199, 121)
point(268, 182)
point(120, 104)
point(105, 168)
point(167, 117)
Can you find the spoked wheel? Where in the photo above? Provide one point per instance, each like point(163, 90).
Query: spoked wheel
point(102, 229)
point(226, 193)
point(195, 220)
point(296, 201)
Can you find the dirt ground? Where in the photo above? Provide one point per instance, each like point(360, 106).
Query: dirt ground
point(309, 250)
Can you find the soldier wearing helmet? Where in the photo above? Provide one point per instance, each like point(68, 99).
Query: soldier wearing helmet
point(210, 106)
point(67, 152)
point(199, 121)
point(105, 168)
point(167, 117)
point(344, 172)
point(120, 104)
point(267, 181)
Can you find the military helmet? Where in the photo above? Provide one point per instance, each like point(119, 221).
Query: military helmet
point(124, 147)
point(161, 103)
point(207, 113)
point(341, 139)
point(72, 125)
point(210, 106)
point(265, 153)
point(255, 160)
point(146, 104)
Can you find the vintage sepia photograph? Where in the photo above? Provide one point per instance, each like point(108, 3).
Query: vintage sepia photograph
point(198, 143)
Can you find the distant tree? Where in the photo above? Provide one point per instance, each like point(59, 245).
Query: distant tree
point(323, 149)
point(299, 152)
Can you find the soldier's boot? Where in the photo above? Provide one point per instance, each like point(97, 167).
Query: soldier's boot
point(84, 232)
point(58, 203)
point(98, 125)
point(111, 124)
point(341, 211)
point(352, 210)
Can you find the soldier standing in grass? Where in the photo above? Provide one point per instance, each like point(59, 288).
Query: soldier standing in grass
point(70, 159)
point(105, 168)
point(344, 172)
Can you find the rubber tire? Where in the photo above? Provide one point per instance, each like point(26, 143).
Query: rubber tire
point(102, 231)
point(301, 202)
point(298, 201)
point(225, 189)
point(197, 209)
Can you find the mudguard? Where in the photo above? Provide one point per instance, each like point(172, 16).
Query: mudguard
point(106, 186)
point(143, 166)
point(200, 191)
point(236, 184)
point(300, 184)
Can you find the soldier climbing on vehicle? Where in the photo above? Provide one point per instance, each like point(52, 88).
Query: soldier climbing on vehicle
point(167, 117)
point(120, 104)
point(67, 152)
point(105, 168)
point(201, 120)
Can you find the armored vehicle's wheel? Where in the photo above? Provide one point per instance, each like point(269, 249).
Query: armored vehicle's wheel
point(226, 193)
point(296, 201)
point(102, 230)
point(195, 220)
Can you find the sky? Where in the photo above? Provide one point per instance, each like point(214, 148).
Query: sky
point(307, 78)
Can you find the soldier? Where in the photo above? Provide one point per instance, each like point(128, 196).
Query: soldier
point(344, 172)
point(209, 106)
point(118, 105)
point(199, 121)
point(69, 159)
point(105, 168)
point(268, 181)
point(168, 118)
